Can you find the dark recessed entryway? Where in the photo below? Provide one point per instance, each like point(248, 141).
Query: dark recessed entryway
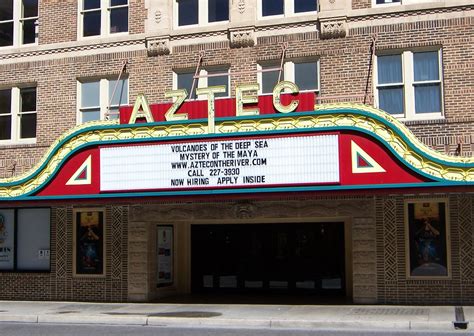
point(269, 259)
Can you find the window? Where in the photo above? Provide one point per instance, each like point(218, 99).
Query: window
point(409, 84)
point(17, 114)
point(103, 17)
point(95, 97)
point(18, 22)
point(286, 7)
point(305, 74)
point(208, 77)
point(382, 2)
point(24, 239)
point(385, 3)
point(193, 12)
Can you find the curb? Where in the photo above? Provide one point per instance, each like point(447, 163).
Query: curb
point(142, 320)
point(208, 322)
point(93, 319)
point(19, 318)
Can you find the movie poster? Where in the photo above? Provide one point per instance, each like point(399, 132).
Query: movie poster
point(165, 255)
point(428, 240)
point(90, 242)
point(6, 239)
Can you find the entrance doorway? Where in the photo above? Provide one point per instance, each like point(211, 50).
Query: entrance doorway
point(292, 258)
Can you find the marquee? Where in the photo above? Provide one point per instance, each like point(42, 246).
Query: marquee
point(330, 147)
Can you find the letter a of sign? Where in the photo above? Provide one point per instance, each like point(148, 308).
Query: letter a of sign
point(363, 162)
point(83, 174)
point(141, 109)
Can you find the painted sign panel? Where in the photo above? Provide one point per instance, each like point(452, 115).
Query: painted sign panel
point(270, 161)
point(427, 237)
point(165, 255)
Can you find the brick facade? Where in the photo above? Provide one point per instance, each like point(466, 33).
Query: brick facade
point(60, 284)
point(60, 60)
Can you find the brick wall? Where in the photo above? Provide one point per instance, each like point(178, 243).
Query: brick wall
point(393, 284)
point(358, 4)
point(57, 16)
point(344, 63)
point(58, 20)
point(59, 283)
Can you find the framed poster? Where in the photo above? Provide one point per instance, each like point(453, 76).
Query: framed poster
point(89, 242)
point(428, 239)
point(164, 244)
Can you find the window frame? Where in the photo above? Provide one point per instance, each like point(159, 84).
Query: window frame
point(15, 268)
point(16, 113)
point(105, 19)
point(288, 10)
point(288, 72)
point(401, 3)
point(388, 4)
point(203, 16)
point(202, 81)
point(104, 98)
point(18, 25)
point(409, 84)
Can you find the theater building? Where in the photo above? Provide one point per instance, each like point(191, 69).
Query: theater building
point(154, 149)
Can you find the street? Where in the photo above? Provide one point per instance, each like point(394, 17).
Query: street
point(34, 329)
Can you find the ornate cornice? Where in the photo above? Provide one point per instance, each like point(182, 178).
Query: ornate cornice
point(69, 49)
point(355, 17)
point(332, 117)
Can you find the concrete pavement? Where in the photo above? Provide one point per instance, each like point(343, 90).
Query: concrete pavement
point(438, 318)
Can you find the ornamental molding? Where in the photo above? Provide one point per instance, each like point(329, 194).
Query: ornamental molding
point(283, 26)
point(70, 49)
point(157, 46)
point(355, 117)
point(414, 13)
point(244, 210)
point(241, 6)
point(241, 38)
point(333, 28)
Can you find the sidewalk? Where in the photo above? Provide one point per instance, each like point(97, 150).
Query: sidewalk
point(235, 316)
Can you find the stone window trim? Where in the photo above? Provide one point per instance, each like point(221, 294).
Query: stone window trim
point(202, 16)
point(203, 79)
point(106, 87)
point(23, 24)
point(105, 10)
point(288, 72)
point(288, 10)
point(15, 113)
point(408, 83)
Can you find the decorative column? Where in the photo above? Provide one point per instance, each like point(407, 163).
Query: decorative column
point(242, 18)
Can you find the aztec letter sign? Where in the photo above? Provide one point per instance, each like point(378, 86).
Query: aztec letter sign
point(270, 143)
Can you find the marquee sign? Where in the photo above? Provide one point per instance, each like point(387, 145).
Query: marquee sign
point(281, 148)
point(274, 161)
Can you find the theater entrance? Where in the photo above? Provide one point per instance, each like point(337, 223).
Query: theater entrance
point(292, 258)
